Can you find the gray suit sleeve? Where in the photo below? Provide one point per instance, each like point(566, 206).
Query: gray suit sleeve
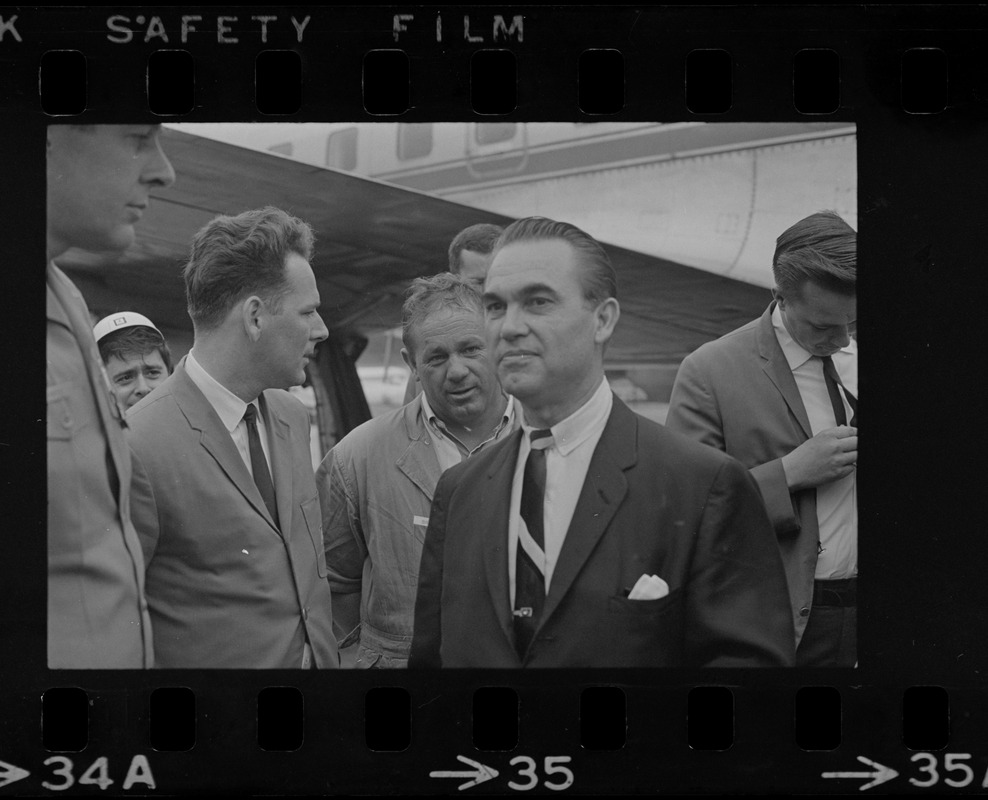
point(143, 508)
point(695, 412)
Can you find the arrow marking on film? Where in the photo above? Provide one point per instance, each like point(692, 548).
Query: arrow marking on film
point(11, 774)
point(880, 775)
point(479, 773)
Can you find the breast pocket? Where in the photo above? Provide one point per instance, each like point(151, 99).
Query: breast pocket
point(313, 521)
point(66, 411)
point(651, 609)
point(419, 526)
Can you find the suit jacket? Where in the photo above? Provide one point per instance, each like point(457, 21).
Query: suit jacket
point(97, 614)
point(225, 586)
point(652, 503)
point(738, 394)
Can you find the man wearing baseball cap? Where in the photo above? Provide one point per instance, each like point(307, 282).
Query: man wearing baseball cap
point(135, 354)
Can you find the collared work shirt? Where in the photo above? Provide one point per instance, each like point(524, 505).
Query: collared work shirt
point(449, 449)
point(574, 440)
point(837, 501)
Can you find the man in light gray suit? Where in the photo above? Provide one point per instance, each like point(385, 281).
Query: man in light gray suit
point(223, 494)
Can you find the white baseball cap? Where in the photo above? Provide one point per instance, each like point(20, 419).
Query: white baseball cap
point(121, 320)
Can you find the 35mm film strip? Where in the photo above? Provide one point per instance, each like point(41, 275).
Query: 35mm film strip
point(900, 89)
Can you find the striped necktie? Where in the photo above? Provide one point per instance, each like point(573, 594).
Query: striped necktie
point(530, 557)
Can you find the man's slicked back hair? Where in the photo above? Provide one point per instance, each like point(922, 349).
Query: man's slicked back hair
point(427, 296)
point(598, 279)
point(234, 257)
point(821, 248)
point(479, 238)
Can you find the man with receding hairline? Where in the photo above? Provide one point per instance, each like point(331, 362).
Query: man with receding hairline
point(99, 183)
point(780, 395)
point(592, 537)
point(223, 495)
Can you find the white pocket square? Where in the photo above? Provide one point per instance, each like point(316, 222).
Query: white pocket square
point(649, 587)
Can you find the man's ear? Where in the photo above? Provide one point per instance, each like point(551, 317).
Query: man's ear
point(252, 317)
point(409, 360)
point(777, 296)
point(606, 315)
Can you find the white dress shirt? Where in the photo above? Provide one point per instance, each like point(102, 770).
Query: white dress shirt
point(574, 440)
point(837, 501)
point(230, 409)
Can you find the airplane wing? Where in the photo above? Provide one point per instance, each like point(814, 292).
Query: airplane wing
point(372, 238)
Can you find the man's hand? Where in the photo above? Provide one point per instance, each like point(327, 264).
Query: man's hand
point(830, 455)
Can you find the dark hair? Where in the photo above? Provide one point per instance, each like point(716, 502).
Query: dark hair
point(599, 280)
point(426, 296)
point(136, 340)
point(234, 257)
point(821, 248)
point(479, 238)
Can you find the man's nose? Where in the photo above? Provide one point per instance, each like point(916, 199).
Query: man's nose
point(320, 332)
point(141, 387)
point(513, 323)
point(843, 338)
point(456, 370)
point(159, 170)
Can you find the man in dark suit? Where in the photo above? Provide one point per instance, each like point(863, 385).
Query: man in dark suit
point(778, 394)
point(223, 496)
point(99, 183)
point(592, 537)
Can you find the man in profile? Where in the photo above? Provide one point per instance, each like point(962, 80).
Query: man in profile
point(470, 255)
point(376, 485)
point(135, 354)
point(592, 537)
point(780, 395)
point(224, 499)
point(99, 180)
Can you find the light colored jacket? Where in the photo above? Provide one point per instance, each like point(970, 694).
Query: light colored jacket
point(376, 488)
point(97, 614)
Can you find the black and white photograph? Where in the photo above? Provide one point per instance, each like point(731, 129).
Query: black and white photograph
point(342, 272)
point(464, 400)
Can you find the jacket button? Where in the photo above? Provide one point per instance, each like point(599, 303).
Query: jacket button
point(804, 612)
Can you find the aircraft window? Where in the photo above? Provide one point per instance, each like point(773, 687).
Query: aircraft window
point(494, 132)
point(341, 149)
point(414, 140)
point(284, 149)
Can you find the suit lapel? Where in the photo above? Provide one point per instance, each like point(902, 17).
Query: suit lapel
point(216, 439)
point(419, 462)
point(280, 447)
point(492, 523)
point(777, 370)
point(603, 491)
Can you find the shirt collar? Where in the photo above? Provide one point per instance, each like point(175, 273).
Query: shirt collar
point(227, 405)
point(440, 427)
point(796, 355)
point(579, 426)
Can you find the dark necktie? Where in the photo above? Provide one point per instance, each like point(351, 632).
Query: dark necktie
point(259, 464)
point(529, 576)
point(832, 379)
